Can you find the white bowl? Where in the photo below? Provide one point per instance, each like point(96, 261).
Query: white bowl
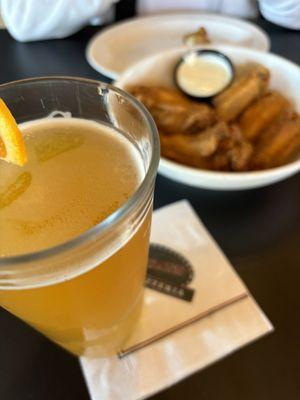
point(285, 77)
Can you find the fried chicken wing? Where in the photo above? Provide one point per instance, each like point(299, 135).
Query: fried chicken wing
point(177, 148)
point(198, 37)
point(220, 147)
point(247, 88)
point(195, 149)
point(233, 153)
point(240, 155)
point(287, 154)
point(236, 159)
point(220, 162)
point(267, 134)
point(280, 143)
point(261, 113)
point(172, 111)
point(208, 141)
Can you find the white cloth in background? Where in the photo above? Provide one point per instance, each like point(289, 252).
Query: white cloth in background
point(281, 12)
point(29, 20)
point(239, 8)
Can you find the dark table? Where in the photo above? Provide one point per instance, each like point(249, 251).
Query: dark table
point(259, 230)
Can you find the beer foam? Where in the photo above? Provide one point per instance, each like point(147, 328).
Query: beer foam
point(81, 172)
point(29, 127)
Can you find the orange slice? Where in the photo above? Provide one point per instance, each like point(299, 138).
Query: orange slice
point(12, 147)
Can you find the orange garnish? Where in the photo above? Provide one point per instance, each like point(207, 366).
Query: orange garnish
point(12, 147)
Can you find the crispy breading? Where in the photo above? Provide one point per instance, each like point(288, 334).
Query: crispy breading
point(261, 113)
point(249, 87)
point(172, 111)
point(198, 37)
point(281, 143)
point(178, 148)
point(218, 147)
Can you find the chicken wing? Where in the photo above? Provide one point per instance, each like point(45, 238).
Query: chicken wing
point(256, 118)
point(280, 143)
point(172, 111)
point(247, 88)
point(234, 152)
point(220, 147)
point(195, 149)
point(177, 148)
point(196, 38)
point(239, 156)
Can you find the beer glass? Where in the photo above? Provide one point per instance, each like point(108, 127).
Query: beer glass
point(85, 294)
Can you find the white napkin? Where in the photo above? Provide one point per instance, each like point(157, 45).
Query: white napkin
point(174, 337)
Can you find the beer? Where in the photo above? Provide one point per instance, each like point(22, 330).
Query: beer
point(79, 172)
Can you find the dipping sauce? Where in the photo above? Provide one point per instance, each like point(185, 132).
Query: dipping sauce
point(203, 73)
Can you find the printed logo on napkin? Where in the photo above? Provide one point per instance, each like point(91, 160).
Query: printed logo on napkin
point(169, 272)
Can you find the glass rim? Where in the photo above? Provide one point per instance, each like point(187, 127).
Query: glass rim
point(122, 211)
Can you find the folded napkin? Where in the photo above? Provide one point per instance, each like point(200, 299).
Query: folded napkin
point(196, 311)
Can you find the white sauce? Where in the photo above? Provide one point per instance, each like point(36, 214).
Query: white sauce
point(203, 74)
